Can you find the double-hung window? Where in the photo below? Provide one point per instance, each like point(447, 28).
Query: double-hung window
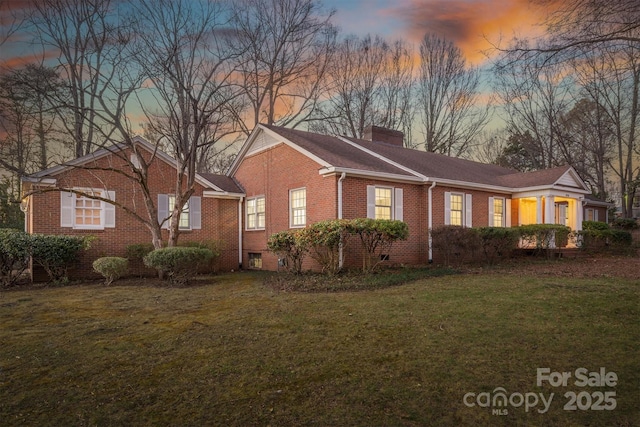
point(298, 207)
point(255, 213)
point(190, 217)
point(498, 212)
point(384, 202)
point(184, 223)
point(83, 211)
point(457, 209)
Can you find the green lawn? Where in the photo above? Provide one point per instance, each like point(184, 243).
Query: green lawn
point(234, 352)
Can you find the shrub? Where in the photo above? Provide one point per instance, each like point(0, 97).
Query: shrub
point(178, 263)
point(111, 268)
point(137, 251)
point(290, 245)
point(497, 242)
point(56, 253)
point(455, 242)
point(625, 223)
point(215, 246)
point(544, 237)
point(15, 247)
point(594, 225)
point(605, 240)
point(324, 240)
point(377, 236)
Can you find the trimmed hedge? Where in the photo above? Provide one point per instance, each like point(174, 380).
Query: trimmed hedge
point(594, 225)
point(544, 237)
point(625, 224)
point(178, 263)
point(455, 243)
point(377, 236)
point(56, 253)
point(291, 246)
point(498, 242)
point(324, 240)
point(138, 251)
point(607, 240)
point(15, 248)
point(111, 268)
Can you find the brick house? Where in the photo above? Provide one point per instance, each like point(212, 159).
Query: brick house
point(285, 179)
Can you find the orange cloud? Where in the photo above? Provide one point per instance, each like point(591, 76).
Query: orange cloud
point(475, 26)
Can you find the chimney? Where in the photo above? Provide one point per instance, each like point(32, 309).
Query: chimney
point(380, 134)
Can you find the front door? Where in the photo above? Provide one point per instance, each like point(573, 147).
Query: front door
point(561, 213)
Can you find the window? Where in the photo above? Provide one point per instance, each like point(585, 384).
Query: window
point(190, 218)
point(592, 214)
point(298, 207)
point(83, 211)
point(255, 260)
point(384, 203)
point(255, 213)
point(456, 209)
point(184, 216)
point(498, 212)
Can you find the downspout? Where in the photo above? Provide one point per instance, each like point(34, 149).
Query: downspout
point(240, 233)
point(430, 220)
point(342, 177)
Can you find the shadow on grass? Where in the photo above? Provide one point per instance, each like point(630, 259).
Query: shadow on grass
point(351, 280)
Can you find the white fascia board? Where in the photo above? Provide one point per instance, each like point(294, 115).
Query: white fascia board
point(473, 185)
point(41, 181)
point(384, 159)
point(299, 149)
point(574, 174)
point(549, 191)
point(222, 195)
point(597, 203)
point(371, 174)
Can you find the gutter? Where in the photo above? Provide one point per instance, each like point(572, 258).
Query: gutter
point(430, 220)
point(240, 233)
point(342, 177)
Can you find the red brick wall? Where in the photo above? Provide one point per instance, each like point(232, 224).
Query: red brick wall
point(219, 217)
point(272, 173)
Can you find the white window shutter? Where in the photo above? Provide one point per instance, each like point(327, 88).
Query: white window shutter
point(163, 210)
point(468, 210)
point(447, 208)
point(195, 215)
point(110, 210)
point(371, 201)
point(507, 212)
point(66, 209)
point(491, 199)
point(399, 209)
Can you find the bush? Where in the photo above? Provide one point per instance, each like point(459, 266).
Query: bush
point(625, 223)
point(594, 225)
point(324, 239)
point(178, 263)
point(497, 242)
point(15, 247)
point(605, 240)
point(56, 253)
point(290, 245)
point(215, 246)
point(544, 237)
point(137, 251)
point(377, 236)
point(455, 243)
point(111, 268)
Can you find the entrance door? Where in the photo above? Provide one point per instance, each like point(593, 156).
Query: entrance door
point(561, 213)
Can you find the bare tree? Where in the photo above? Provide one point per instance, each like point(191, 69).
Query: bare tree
point(370, 82)
point(88, 38)
point(448, 93)
point(285, 47)
point(533, 96)
point(27, 119)
point(186, 55)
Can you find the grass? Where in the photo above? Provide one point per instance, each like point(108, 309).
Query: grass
point(234, 352)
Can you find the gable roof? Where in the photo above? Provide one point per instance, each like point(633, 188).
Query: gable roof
point(218, 184)
point(379, 160)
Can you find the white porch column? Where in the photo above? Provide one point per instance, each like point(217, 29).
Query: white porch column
point(579, 214)
point(539, 210)
point(550, 210)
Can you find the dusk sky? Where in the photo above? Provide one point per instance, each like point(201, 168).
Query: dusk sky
point(471, 24)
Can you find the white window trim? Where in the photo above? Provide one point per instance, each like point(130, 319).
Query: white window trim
point(391, 208)
point(195, 212)
point(397, 202)
point(246, 213)
point(68, 209)
point(492, 211)
point(291, 216)
point(467, 208)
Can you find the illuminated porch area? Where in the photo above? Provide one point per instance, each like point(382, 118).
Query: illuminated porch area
point(550, 209)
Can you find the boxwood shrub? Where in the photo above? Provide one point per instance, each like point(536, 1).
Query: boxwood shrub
point(178, 263)
point(111, 268)
point(15, 248)
point(55, 253)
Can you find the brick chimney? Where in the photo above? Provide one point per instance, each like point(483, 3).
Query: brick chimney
point(380, 134)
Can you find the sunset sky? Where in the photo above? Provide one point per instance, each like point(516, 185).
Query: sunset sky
point(472, 24)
